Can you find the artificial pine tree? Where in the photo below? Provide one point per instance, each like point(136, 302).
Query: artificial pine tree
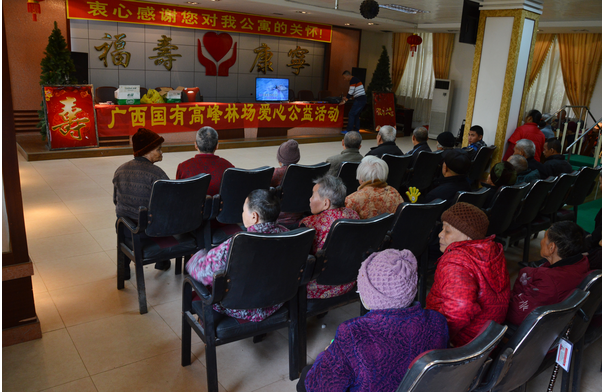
point(57, 69)
point(381, 83)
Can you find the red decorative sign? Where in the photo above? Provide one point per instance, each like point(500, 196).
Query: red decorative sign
point(123, 120)
point(217, 46)
point(383, 105)
point(195, 18)
point(70, 116)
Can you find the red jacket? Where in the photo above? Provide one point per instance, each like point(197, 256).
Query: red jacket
point(546, 285)
point(472, 286)
point(527, 131)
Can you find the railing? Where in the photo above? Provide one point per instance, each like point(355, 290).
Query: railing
point(570, 151)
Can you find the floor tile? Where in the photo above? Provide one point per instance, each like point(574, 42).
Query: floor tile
point(123, 339)
point(47, 313)
point(98, 220)
point(37, 282)
point(43, 227)
point(61, 246)
point(161, 286)
point(280, 386)
point(171, 312)
point(90, 205)
point(41, 364)
point(83, 385)
point(106, 238)
point(77, 270)
point(87, 190)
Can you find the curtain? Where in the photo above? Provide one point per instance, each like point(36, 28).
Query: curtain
point(580, 58)
point(443, 46)
point(547, 93)
point(401, 51)
point(543, 43)
point(415, 90)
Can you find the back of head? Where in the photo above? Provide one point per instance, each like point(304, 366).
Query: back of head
point(503, 174)
point(468, 219)
point(265, 203)
point(457, 160)
point(477, 129)
point(446, 139)
point(145, 141)
point(568, 237)
point(421, 134)
point(206, 140)
point(388, 279)
point(352, 139)
point(346, 73)
point(333, 189)
point(535, 115)
point(387, 133)
point(371, 169)
point(519, 162)
point(288, 152)
point(554, 143)
point(527, 146)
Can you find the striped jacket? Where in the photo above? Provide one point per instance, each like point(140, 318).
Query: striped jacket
point(356, 88)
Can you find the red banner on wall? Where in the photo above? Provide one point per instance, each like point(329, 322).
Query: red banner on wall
point(123, 120)
point(195, 18)
point(383, 105)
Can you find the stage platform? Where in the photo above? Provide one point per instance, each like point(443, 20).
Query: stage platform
point(32, 148)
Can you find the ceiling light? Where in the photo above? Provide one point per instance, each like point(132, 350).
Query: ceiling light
point(372, 24)
point(215, 0)
point(348, 24)
point(401, 8)
point(191, 2)
point(302, 12)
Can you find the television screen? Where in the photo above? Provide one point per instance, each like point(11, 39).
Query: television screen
point(271, 89)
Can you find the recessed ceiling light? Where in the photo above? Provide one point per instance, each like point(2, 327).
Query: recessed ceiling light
point(191, 2)
point(401, 8)
point(215, 0)
point(372, 24)
point(302, 12)
point(348, 24)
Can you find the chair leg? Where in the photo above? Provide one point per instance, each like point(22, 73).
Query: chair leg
point(141, 286)
point(120, 269)
point(186, 340)
point(178, 265)
point(211, 363)
point(576, 365)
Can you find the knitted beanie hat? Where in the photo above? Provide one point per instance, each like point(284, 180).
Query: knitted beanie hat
point(457, 160)
point(387, 279)
point(288, 152)
point(502, 174)
point(145, 141)
point(446, 139)
point(467, 218)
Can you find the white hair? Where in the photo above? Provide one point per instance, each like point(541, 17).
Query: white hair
point(387, 133)
point(519, 162)
point(527, 146)
point(371, 169)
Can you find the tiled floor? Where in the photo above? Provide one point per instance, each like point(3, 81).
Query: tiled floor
point(95, 339)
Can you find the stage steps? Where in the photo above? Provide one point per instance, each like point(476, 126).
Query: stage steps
point(26, 120)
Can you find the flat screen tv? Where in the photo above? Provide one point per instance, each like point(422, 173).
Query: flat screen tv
point(271, 89)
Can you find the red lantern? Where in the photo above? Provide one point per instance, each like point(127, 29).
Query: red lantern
point(33, 7)
point(414, 40)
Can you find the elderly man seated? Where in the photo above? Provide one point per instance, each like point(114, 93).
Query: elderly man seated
point(523, 172)
point(385, 142)
point(526, 148)
point(456, 164)
point(352, 142)
point(420, 137)
point(555, 163)
point(374, 196)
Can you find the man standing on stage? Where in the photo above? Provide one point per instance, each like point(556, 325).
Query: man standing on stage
point(357, 93)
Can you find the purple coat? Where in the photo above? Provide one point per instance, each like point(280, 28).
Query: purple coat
point(374, 352)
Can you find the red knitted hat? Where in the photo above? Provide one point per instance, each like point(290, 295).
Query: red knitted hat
point(145, 141)
point(467, 218)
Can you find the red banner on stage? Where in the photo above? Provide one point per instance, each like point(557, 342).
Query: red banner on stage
point(122, 120)
point(384, 109)
point(195, 18)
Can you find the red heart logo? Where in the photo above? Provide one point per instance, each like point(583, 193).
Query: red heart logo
point(217, 44)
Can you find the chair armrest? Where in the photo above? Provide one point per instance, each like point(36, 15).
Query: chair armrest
point(202, 291)
point(208, 208)
point(497, 371)
point(215, 203)
point(129, 224)
point(318, 263)
point(308, 270)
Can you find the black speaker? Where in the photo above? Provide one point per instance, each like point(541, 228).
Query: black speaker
point(81, 67)
point(359, 73)
point(470, 22)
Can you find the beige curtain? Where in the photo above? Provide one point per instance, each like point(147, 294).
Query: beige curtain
point(401, 51)
point(543, 43)
point(580, 59)
point(443, 47)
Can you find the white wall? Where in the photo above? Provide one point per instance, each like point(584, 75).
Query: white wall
point(371, 47)
point(460, 72)
point(595, 105)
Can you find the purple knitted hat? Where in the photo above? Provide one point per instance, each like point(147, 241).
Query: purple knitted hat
point(387, 279)
point(288, 152)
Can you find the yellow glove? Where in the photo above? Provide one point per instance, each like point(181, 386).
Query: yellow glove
point(413, 194)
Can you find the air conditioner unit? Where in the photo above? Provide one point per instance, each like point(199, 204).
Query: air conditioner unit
point(440, 107)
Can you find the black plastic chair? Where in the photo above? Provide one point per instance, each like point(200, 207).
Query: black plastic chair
point(227, 205)
point(411, 230)
point(348, 173)
point(427, 166)
point(398, 167)
point(476, 198)
point(532, 203)
point(453, 369)
point(479, 164)
point(305, 95)
point(557, 196)
point(297, 186)
point(173, 226)
point(524, 352)
point(105, 94)
point(262, 270)
point(584, 185)
point(505, 206)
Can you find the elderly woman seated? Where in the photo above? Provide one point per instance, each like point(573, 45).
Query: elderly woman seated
point(327, 204)
point(564, 267)
point(374, 196)
point(472, 285)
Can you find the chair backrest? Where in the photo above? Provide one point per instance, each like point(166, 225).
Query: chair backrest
point(558, 194)
point(347, 173)
point(398, 167)
point(264, 269)
point(476, 198)
point(348, 243)
point(505, 204)
point(323, 94)
point(413, 224)
point(235, 187)
point(526, 349)
point(592, 284)
point(143, 90)
point(452, 369)
point(291, 95)
point(191, 94)
point(427, 166)
point(583, 185)
point(176, 206)
point(105, 94)
point(534, 201)
point(480, 162)
point(305, 95)
point(297, 184)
